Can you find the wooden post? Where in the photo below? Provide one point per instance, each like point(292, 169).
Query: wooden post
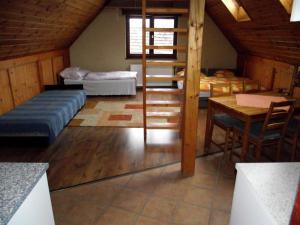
point(144, 5)
point(190, 117)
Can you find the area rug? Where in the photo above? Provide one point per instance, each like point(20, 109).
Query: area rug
point(115, 114)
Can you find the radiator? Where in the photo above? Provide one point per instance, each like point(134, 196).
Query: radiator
point(152, 71)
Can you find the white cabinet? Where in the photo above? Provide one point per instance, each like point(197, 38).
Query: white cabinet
point(264, 193)
point(36, 208)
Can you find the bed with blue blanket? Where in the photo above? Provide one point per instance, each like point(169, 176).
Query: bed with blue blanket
point(45, 115)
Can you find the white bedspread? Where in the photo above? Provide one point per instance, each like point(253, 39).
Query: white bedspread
point(114, 75)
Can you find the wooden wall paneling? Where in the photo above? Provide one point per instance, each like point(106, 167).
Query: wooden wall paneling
point(24, 77)
point(46, 72)
point(25, 82)
point(6, 98)
point(270, 73)
point(296, 92)
point(58, 66)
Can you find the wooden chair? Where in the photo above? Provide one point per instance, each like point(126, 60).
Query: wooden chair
point(251, 86)
point(237, 86)
point(293, 136)
point(270, 132)
point(222, 120)
point(222, 89)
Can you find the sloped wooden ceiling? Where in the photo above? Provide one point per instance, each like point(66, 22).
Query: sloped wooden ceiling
point(32, 26)
point(269, 33)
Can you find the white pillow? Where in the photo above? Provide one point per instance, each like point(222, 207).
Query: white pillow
point(68, 71)
point(74, 73)
point(95, 76)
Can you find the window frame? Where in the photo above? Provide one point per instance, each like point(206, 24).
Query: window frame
point(151, 54)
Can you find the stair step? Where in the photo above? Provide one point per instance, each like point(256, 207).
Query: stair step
point(173, 47)
point(158, 115)
point(173, 91)
point(166, 63)
point(173, 30)
point(163, 103)
point(173, 126)
point(163, 78)
point(167, 10)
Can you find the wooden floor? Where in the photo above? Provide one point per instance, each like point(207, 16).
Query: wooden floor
point(85, 154)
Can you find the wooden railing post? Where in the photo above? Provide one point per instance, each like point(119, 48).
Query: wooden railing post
point(190, 119)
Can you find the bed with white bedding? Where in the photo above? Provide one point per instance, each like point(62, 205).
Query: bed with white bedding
point(102, 83)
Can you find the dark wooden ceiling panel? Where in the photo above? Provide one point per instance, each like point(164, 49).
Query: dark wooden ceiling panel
point(269, 34)
point(32, 26)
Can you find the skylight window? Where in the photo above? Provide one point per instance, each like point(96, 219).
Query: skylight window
point(237, 11)
point(295, 16)
point(287, 4)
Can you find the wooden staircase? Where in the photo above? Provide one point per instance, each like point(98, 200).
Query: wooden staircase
point(174, 119)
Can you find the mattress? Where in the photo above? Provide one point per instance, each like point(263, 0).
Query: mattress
point(44, 115)
point(205, 81)
point(106, 87)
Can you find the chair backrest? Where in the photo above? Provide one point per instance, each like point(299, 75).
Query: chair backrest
point(251, 86)
point(222, 89)
point(237, 86)
point(278, 117)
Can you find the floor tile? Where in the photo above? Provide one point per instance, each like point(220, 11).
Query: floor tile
point(191, 215)
point(172, 171)
point(102, 194)
point(81, 213)
point(148, 221)
point(119, 181)
point(160, 209)
point(199, 196)
point(208, 165)
point(170, 189)
point(225, 186)
point(219, 218)
point(143, 183)
point(114, 216)
point(130, 200)
point(222, 202)
point(204, 180)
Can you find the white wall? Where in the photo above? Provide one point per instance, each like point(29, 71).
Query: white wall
point(102, 46)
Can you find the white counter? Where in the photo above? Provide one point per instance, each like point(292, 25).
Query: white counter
point(264, 193)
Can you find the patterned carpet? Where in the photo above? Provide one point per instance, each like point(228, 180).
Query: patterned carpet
point(114, 114)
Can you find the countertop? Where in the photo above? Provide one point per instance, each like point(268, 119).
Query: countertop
point(16, 182)
point(276, 185)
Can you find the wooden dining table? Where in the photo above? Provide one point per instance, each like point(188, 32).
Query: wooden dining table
point(228, 105)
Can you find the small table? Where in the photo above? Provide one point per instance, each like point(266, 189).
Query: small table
point(228, 105)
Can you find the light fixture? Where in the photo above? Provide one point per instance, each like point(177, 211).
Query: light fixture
point(295, 15)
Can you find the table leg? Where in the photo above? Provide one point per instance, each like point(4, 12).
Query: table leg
point(246, 139)
point(208, 129)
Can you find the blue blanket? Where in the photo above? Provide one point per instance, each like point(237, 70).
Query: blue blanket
point(43, 115)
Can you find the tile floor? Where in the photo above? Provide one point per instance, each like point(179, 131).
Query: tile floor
point(154, 197)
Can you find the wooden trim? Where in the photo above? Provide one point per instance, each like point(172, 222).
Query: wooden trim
point(6, 64)
point(191, 87)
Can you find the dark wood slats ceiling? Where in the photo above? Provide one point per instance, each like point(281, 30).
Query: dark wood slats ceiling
point(32, 26)
point(269, 34)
